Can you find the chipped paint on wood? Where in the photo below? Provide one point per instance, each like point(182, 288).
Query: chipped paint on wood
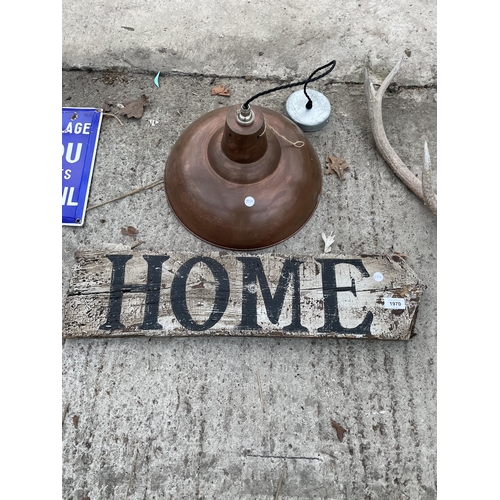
point(178, 294)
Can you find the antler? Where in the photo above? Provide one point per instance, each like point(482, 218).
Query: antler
point(423, 189)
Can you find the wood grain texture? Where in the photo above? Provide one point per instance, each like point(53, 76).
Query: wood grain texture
point(221, 293)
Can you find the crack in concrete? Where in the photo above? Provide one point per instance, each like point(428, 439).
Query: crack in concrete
point(173, 73)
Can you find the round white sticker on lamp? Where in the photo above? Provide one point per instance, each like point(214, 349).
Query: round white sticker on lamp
point(249, 201)
point(378, 276)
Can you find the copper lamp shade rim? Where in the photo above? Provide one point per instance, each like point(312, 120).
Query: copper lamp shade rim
point(245, 249)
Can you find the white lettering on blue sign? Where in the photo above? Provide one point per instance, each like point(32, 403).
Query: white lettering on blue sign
point(79, 128)
point(67, 199)
point(70, 156)
point(80, 134)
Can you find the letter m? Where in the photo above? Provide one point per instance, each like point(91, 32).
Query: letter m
point(253, 273)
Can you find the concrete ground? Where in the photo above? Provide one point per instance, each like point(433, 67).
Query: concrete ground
point(182, 418)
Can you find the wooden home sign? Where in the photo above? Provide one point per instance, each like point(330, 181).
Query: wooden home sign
point(176, 294)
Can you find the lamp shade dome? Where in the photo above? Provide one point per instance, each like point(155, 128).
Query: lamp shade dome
point(243, 186)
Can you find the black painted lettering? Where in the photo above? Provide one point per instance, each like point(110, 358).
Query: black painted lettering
point(330, 290)
point(253, 272)
point(178, 294)
point(151, 289)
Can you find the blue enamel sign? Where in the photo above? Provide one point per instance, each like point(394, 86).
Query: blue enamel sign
point(80, 133)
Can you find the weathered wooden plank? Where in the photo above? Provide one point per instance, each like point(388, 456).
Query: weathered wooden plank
point(221, 293)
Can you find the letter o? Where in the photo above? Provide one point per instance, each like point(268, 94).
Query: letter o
point(178, 294)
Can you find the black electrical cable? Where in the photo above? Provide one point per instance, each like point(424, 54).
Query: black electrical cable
point(290, 85)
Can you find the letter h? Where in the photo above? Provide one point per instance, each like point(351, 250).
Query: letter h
point(151, 289)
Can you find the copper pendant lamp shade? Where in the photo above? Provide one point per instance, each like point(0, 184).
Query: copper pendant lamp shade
point(237, 178)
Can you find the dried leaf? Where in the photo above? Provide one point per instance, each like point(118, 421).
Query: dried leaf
point(134, 109)
point(220, 90)
point(337, 165)
point(130, 231)
point(76, 418)
point(340, 430)
point(328, 240)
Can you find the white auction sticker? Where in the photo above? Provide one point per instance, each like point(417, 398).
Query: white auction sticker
point(249, 201)
point(394, 303)
point(378, 276)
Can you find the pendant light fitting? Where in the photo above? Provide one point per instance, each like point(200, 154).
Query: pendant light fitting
point(242, 178)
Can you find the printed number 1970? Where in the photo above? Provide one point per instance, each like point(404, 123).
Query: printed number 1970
point(392, 303)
